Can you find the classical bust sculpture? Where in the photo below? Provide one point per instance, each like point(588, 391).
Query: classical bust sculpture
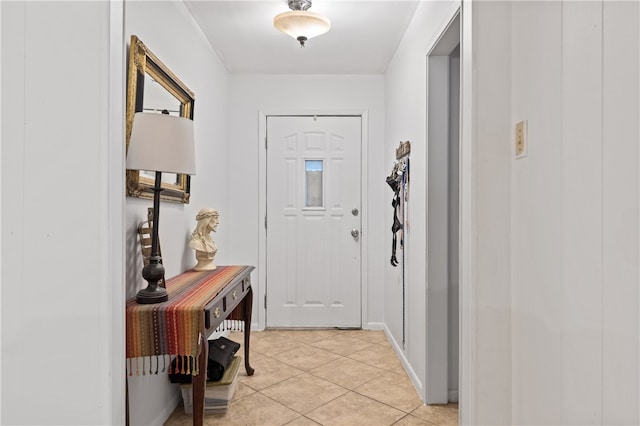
point(201, 240)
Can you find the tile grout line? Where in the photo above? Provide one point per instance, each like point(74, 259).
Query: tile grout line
point(384, 371)
point(310, 342)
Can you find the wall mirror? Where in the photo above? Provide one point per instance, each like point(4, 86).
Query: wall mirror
point(152, 87)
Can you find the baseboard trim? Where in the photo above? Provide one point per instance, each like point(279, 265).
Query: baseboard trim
point(417, 383)
point(169, 408)
point(453, 395)
point(374, 326)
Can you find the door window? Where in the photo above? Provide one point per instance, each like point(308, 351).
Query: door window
point(313, 172)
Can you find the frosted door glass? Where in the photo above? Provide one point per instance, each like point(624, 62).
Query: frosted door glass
point(313, 183)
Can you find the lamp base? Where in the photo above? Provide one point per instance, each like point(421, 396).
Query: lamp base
point(150, 295)
point(153, 271)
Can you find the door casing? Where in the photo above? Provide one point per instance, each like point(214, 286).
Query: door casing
point(436, 390)
point(259, 299)
point(313, 260)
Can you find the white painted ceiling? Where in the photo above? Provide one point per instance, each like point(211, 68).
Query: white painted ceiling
point(363, 37)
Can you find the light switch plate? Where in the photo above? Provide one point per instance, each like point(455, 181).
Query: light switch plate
point(521, 140)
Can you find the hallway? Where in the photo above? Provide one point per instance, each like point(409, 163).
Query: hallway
point(324, 377)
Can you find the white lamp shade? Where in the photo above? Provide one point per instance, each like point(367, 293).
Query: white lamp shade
point(161, 143)
point(298, 23)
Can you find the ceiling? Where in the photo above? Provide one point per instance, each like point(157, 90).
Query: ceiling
point(363, 37)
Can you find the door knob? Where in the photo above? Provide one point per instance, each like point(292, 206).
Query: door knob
point(355, 233)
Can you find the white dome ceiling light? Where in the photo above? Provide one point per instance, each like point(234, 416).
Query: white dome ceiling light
point(301, 24)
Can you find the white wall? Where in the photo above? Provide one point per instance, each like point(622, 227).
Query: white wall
point(406, 100)
point(537, 253)
point(252, 94)
point(490, 239)
point(62, 213)
point(1, 244)
point(169, 31)
point(575, 216)
point(556, 242)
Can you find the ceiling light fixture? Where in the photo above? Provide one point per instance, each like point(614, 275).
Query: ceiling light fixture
point(300, 24)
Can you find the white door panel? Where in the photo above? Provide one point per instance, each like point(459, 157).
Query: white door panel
point(313, 184)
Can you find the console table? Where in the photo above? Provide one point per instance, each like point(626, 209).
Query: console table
point(198, 303)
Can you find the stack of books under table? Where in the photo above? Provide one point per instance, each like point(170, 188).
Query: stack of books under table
point(218, 394)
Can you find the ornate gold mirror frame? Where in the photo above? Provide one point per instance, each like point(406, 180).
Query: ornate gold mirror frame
point(152, 87)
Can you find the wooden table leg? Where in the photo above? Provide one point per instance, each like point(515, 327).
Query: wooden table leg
point(199, 384)
point(247, 308)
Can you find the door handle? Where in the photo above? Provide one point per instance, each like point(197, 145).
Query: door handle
point(355, 233)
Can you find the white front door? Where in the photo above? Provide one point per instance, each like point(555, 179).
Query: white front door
point(313, 221)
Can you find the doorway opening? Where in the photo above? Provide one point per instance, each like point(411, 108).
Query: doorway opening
point(443, 218)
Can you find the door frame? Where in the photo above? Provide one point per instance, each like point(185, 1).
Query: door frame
point(262, 202)
point(436, 390)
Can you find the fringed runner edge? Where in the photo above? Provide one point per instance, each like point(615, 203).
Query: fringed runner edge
point(143, 331)
point(189, 365)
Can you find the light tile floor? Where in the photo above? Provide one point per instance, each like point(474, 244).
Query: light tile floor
point(324, 377)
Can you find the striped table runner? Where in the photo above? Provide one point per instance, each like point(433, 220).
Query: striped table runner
point(173, 327)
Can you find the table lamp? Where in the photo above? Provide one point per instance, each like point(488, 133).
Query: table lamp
point(159, 143)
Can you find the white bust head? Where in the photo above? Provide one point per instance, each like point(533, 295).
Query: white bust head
point(201, 240)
